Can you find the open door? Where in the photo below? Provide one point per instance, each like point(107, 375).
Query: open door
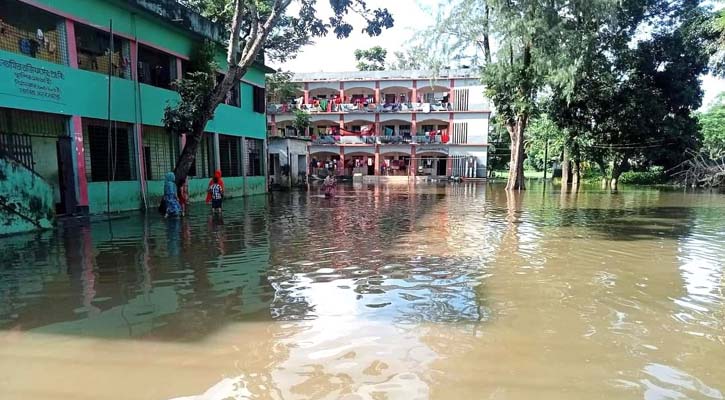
point(66, 177)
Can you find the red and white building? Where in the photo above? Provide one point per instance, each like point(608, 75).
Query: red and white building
point(390, 123)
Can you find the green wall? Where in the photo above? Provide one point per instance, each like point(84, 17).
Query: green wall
point(60, 89)
point(125, 196)
point(26, 200)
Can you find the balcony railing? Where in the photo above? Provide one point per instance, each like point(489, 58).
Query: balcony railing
point(283, 108)
point(371, 140)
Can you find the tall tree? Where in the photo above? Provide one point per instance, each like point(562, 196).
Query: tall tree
point(372, 59)
point(713, 128)
point(254, 25)
point(632, 105)
point(530, 35)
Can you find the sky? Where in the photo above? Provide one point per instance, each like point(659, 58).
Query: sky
point(330, 54)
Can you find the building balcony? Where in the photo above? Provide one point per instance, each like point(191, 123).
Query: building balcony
point(382, 140)
point(286, 108)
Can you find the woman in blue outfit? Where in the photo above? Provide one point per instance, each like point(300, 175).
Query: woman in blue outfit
point(173, 207)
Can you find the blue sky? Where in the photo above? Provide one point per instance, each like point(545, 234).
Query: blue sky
point(330, 54)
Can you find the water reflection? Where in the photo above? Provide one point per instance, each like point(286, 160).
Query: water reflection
point(422, 291)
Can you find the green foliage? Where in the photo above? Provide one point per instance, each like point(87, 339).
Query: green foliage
point(712, 122)
point(280, 87)
point(372, 59)
point(196, 97)
point(202, 58)
point(195, 90)
point(302, 121)
point(543, 130)
point(297, 29)
point(654, 176)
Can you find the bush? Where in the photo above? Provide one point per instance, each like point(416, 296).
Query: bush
point(652, 177)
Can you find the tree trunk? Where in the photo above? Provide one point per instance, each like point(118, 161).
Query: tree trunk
point(617, 169)
point(486, 35)
point(575, 174)
point(188, 154)
point(565, 168)
point(603, 170)
point(516, 164)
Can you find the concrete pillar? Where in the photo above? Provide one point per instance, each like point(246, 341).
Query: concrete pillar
point(413, 169)
point(452, 93)
point(80, 162)
point(342, 91)
point(414, 125)
point(264, 166)
point(377, 160)
point(179, 74)
point(306, 93)
point(449, 166)
point(215, 146)
point(341, 171)
point(414, 95)
point(377, 124)
point(377, 92)
point(140, 160)
point(244, 165)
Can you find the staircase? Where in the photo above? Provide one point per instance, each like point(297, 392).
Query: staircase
point(26, 200)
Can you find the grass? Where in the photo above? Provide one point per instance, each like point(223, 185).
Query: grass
point(529, 174)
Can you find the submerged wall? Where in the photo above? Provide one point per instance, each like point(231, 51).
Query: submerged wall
point(26, 200)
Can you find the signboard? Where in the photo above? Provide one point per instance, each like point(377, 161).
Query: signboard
point(31, 80)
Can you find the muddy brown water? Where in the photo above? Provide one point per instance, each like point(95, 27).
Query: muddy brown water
point(456, 291)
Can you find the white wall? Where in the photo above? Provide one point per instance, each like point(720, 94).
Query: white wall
point(476, 99)
point(478, 125)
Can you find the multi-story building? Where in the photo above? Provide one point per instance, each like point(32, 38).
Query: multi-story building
point(55, 60)
point(390, 123)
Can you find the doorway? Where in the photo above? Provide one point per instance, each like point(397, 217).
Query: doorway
point(442, 168)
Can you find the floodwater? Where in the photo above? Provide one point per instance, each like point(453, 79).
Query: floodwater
point(458, 291)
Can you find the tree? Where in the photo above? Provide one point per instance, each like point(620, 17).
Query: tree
point(280, 87)
point(301, 122)
point(372, 59)
point(544, 137)
point(532, 38)
point(254, 25)
point(712, 122)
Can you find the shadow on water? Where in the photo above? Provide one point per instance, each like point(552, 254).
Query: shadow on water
point(279, 257)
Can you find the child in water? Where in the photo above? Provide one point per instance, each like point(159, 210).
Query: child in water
point(216, 191)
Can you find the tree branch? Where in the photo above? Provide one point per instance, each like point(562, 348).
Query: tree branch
point(233, 50)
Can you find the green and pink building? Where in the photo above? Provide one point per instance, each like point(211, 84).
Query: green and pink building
point(58, 154)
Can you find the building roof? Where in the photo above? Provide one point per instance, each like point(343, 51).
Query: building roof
point(384, 75)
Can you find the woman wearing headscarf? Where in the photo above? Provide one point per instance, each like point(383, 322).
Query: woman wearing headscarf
point(220, 181)
point(173, 207)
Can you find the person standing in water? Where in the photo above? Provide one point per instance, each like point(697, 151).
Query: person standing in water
point(173, 207)
point(216, 192)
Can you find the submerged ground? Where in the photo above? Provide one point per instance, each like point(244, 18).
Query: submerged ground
point(445, 291)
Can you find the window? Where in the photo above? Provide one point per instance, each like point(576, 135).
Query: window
point(429, 128)
point(254, 157)
point(390, 98)
point(202, 165)
point(93, 46)
point(108, 160)
point(32, 32)
point(30, 138)
point(155, 68)
point(258, 99)
point(161, 152)
point(229, 151)
point(404, 130)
